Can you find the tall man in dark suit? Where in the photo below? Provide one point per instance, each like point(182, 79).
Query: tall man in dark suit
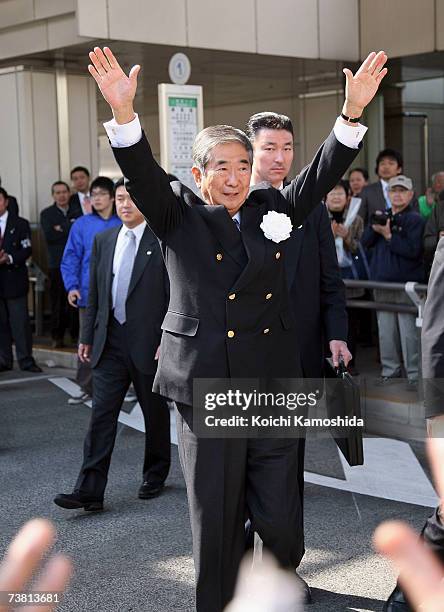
point(56, 221)
point(229, 314)
point(15, 249)
point(314, 281)
point(127, 301)
point(317, 291)
point(375, 197)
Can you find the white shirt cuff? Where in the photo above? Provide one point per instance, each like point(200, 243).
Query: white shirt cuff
point(349, 135)
point(123, 135)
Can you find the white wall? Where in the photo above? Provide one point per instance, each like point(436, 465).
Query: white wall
point(30, 161)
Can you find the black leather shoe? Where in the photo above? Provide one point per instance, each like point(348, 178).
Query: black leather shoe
point(397, 602)
point(305, 589)
point(75, 501)
point(5, 368)
point(149, 490)
point(32, 368)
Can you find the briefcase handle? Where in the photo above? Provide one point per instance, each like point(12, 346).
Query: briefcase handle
point(341, 370)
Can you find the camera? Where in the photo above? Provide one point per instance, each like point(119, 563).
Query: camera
point(337, 215)
point(380, 218)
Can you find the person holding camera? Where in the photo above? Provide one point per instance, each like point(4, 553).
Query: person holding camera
point(395, 240)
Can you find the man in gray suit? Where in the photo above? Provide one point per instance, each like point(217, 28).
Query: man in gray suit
point(375, 196)
point(128, 298)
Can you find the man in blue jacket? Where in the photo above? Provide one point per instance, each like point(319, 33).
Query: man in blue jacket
point(395, 240)
point(75, 262)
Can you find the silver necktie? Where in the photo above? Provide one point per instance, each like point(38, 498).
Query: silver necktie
point(124, 276)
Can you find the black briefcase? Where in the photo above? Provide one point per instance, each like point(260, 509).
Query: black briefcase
point(343, 400)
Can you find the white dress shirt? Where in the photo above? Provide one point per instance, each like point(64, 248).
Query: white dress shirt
point(128, 134)
point(3, 222)
point(385, 189)
point(81, 200)
point(121, 243)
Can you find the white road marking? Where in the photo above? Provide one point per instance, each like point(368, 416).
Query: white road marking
point(391, 471)
point(133, 419)
point(14, 381)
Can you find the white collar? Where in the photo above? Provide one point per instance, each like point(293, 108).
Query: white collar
point(237, 216)
point(138, 230)
point(4, 217)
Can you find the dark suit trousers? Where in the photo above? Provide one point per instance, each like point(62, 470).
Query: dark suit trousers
point(227, 480)
point(433, 534)
point(111, 379)
point(84, 371)
point(15, 326)
point(60, 309)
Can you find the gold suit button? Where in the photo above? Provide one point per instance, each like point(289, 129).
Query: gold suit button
point(268, 296)
point(266, 330)
point(232, 296)
point(219, 257)
point(278, 254)
point(230, 334)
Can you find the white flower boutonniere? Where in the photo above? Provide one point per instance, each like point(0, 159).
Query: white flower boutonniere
point(276, 226)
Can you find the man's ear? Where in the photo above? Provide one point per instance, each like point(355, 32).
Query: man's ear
point(197, 174)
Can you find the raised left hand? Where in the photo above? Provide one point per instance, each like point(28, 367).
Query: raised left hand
point(360, 89)
point(339, 349)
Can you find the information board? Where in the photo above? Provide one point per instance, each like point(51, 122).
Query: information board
point(181, 118)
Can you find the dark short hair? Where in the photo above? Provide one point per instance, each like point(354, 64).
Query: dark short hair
point(103, 182)
point(59, 183)
point(4, 193)
point(80, 169)
point(119, 183)
point(345, 186)
point(267, 121)
point(363, 171)
point(391, 154)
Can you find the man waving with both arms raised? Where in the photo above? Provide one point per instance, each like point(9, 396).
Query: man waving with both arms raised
point(229, 315)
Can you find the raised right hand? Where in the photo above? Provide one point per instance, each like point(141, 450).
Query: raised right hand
point(118, 89)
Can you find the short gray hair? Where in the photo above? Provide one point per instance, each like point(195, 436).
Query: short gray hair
point(433, 179)
point(215, 135)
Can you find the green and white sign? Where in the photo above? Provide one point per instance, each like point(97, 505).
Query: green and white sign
point(181, 118)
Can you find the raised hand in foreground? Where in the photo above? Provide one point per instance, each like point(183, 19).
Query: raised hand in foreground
point(421, 575)
point(22, 561)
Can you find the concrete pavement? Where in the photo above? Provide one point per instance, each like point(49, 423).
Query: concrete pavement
point(136, 555)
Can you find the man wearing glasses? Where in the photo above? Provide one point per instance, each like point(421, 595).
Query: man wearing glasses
point(75, 263)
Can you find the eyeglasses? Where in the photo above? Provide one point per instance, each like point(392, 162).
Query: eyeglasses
point(98, 194)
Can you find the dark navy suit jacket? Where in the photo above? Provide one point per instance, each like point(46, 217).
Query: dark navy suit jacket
point(316, 289)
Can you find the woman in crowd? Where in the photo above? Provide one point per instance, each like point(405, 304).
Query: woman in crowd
point(358, 179)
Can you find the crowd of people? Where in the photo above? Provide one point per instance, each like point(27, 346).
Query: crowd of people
point(136, 323)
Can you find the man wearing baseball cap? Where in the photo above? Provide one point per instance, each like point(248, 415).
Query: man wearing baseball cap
point(395, 240)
